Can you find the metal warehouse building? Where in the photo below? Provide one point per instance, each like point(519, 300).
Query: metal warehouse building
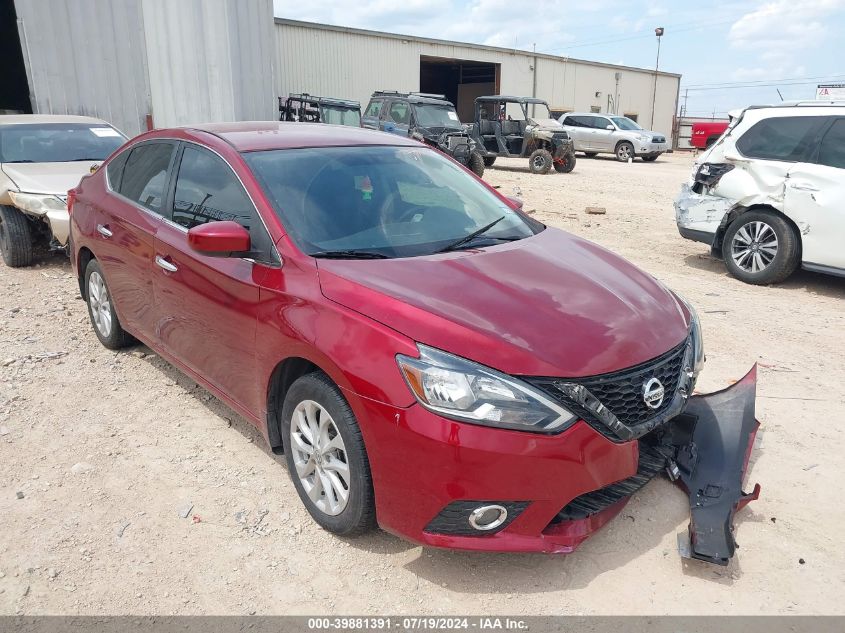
point(139, 63)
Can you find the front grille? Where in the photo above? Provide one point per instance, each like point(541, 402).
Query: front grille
point(651, 462)
point(621, 392)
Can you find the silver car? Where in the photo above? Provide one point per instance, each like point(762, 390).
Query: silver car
point(596, 133)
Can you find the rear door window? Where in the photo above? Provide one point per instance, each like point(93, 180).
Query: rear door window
point(832, 148)
point(145, 174)
point(789, 139)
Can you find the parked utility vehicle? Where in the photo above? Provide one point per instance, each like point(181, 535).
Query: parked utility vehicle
point(428, 118)
point(521, 127)
point(306, 108)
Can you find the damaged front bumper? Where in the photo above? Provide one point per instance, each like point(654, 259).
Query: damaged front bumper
point(700, 215)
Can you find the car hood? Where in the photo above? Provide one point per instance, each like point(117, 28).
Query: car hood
point(47, 177)
point(549, 305)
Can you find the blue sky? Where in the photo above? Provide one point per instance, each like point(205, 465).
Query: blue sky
point(733, 49)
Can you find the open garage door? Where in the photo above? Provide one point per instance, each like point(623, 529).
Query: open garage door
point(460, 80)
point(14, 88)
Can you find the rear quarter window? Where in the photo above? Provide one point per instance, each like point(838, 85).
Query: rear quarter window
point(114, 170)
point(789, 139)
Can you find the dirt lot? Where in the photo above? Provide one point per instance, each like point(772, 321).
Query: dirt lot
point(109, 449)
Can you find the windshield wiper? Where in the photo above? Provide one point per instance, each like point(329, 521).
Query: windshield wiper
point(78, 160)
point(350, 254)
point(468, 238)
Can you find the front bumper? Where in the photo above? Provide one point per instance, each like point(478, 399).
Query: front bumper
point(698, 215)
point(650, 148)
point(422, 463)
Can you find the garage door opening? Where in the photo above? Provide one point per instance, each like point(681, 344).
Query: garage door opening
point(460, 80)
point(14, 89)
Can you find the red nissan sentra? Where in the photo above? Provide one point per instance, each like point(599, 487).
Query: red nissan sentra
point(429, 358)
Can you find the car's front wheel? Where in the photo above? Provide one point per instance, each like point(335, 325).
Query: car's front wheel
point(540, 161)
point(489, 160)
point(624, 152)
point(15, 237)
point(476, 164)
point(761, 248)
point(326, 457)
point(101, 309)
point(565, 163)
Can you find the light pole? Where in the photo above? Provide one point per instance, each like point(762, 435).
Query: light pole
point(659, 33)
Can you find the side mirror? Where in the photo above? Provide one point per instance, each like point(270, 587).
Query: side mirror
point(515, 202)
point(219, 239)
point(609, 127)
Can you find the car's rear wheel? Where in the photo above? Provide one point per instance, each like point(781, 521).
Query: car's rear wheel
point(489, 160)
point(624, 152)
point(326, 457)
point(565, 164)
point(761, 248)
point(101, 309)
point(540, 161)
point(591, 154)
point(475, 162)
point(15, 237)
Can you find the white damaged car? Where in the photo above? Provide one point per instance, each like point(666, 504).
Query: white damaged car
point(769, 195)
point(42, 156)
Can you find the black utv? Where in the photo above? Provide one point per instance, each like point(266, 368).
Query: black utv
point(429, 118)
point(306, 108)
point(521, 127)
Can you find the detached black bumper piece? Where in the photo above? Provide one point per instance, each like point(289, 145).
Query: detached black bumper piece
point(713, 440)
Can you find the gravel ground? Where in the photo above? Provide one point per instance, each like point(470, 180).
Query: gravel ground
point(126, 488)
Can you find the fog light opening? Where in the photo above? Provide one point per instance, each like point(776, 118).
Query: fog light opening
point(486, 518)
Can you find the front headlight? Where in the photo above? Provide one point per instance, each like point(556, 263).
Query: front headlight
point(37, 203)
point(461, 389)
point(643, 138)
point(697, 341)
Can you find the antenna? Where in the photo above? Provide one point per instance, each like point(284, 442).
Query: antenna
point(779, 94)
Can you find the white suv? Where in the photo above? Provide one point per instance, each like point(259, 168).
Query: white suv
point(770, 193)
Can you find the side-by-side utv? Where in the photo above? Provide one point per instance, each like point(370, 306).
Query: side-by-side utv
point(521, 127)
point(306, 108)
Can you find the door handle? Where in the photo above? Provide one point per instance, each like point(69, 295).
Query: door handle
point(802, 186)
point(104, 231)
point(165, 265)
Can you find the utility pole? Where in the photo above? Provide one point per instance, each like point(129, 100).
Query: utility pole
point(534, 86)
point(659, 33)
point(616, 94)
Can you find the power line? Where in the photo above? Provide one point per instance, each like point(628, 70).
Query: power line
point(767, 85)
point(754, 82)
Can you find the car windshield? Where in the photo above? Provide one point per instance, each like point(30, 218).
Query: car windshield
point(433, 115)
point(57, 142)
point(624, 123)
point(341, 116)
point(381, 201)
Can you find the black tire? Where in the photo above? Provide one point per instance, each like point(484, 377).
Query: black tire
point(540, 161)
point(591, 154)
point(113, 337)
point(475, 162)
point(784, 260)
point(650, 158)
point(359, 514)
point(489, 160)
point(566, 164)
point(15, 238)
point(624, 151)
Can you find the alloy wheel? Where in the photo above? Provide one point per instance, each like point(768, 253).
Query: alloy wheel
point(624, 152)
point(100, 304)
point(538, 162)
point(754, 246)
point(319, 456)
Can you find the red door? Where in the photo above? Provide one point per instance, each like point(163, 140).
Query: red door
point(206, 306)
point(124, 226)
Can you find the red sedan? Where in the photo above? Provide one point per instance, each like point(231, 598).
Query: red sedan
point(429, 358)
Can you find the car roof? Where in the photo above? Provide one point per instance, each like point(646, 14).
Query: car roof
point(12, 119)
point(592, 114)
point(253, 136)
point(412, 97)
point(346, 103)
point(511, 99)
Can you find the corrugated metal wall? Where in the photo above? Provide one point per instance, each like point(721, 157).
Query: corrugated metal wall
point(210, 60)
point(349, 63)
point(86, 58)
